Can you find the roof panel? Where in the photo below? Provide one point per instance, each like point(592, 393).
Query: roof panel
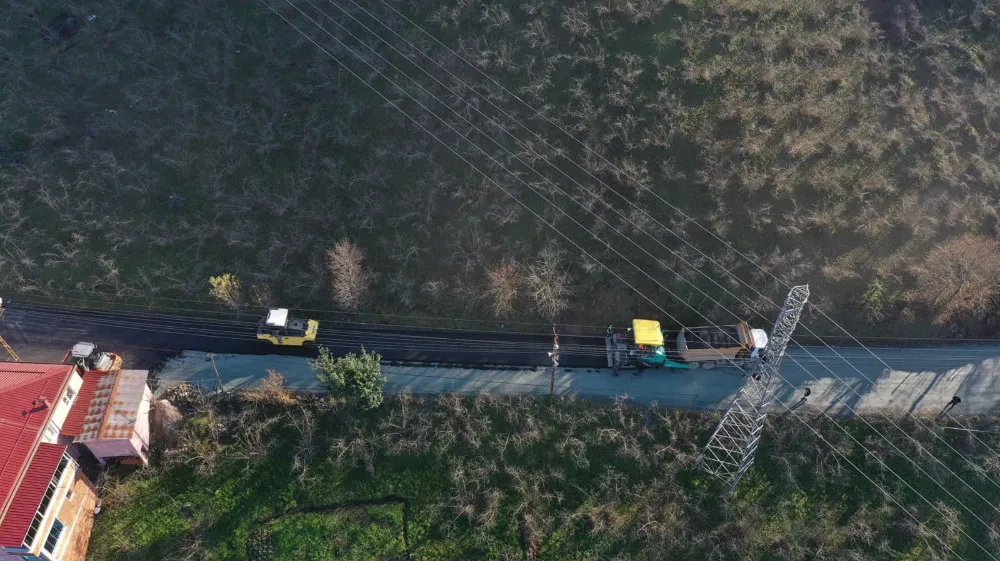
point(114, 409)
point(29, 494)
point(74, 420)
point(22, 417)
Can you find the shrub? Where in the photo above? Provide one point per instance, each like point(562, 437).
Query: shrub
point(960, 277)
point(226, 288)
point(355, 377)
point(272, 390)
point(872, 301)
point(549, 283)
point(349, 280)
point(504, 284)
point(260, 294)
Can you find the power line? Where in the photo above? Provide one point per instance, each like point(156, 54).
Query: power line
point(915, 464)
point(41, 292)
point(968, 353)
point(532, 168)
point(750, 307)
point(727, 244)
point(870, 480)
point(334, 338)
point(187, 321)
point(494, 160)
point(411, 118)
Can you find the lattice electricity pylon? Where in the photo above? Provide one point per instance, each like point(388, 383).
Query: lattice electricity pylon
point(730, 451)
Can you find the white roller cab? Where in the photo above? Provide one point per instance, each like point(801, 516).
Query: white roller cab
point(86, 355)
point(277, 317)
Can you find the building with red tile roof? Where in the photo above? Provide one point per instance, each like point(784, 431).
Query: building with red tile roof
point(46, 501)
point(74, 420)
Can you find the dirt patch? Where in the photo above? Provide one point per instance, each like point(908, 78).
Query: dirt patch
point(529, 537)
point(62, 27)
point(10, 157)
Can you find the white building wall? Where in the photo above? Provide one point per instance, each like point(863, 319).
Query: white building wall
point(61, 405)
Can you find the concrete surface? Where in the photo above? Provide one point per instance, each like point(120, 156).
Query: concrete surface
point(925, 387)
point(237, 371)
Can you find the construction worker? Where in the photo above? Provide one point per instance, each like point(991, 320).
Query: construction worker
point(951, 404)
point(805, 395)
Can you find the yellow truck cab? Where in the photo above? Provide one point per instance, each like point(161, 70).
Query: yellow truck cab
point(279, 329)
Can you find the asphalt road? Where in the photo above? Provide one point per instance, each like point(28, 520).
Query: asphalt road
point(40, 332)
point(841, 380)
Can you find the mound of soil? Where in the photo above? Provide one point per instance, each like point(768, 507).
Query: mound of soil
point(62, 27)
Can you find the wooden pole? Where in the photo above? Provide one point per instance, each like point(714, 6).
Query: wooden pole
point(3, 342)
point(555, 362)
point(218, 378)
point(693, 401)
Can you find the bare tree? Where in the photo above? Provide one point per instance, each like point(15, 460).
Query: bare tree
point(504, 284)
point(349, 279)
point(960, 277)
point(549, 283)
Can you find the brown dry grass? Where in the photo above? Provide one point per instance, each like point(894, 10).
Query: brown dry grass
point(503, 286)
point(349, 282)
point(833, 143)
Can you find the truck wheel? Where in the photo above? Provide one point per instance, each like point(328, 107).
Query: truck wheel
point(708, 364)
point(741, 359)
point(694, 365)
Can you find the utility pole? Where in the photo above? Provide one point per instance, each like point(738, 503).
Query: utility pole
point(3, 342)
point(731, 448)
point(554, 355)
point(218, 379)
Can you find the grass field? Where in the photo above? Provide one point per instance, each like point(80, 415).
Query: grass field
point(148, 144)
point(509, 479)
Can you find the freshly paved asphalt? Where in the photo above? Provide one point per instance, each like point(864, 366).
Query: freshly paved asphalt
point(34, 331)
point(919, 380)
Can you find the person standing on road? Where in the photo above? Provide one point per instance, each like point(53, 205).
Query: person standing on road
point(951, 404)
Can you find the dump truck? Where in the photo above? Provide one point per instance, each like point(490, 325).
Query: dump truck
point(279, 329)
point(647, 345)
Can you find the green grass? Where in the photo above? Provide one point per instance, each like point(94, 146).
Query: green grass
point(831, 142)
point(353, 534)
point(489, 477)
